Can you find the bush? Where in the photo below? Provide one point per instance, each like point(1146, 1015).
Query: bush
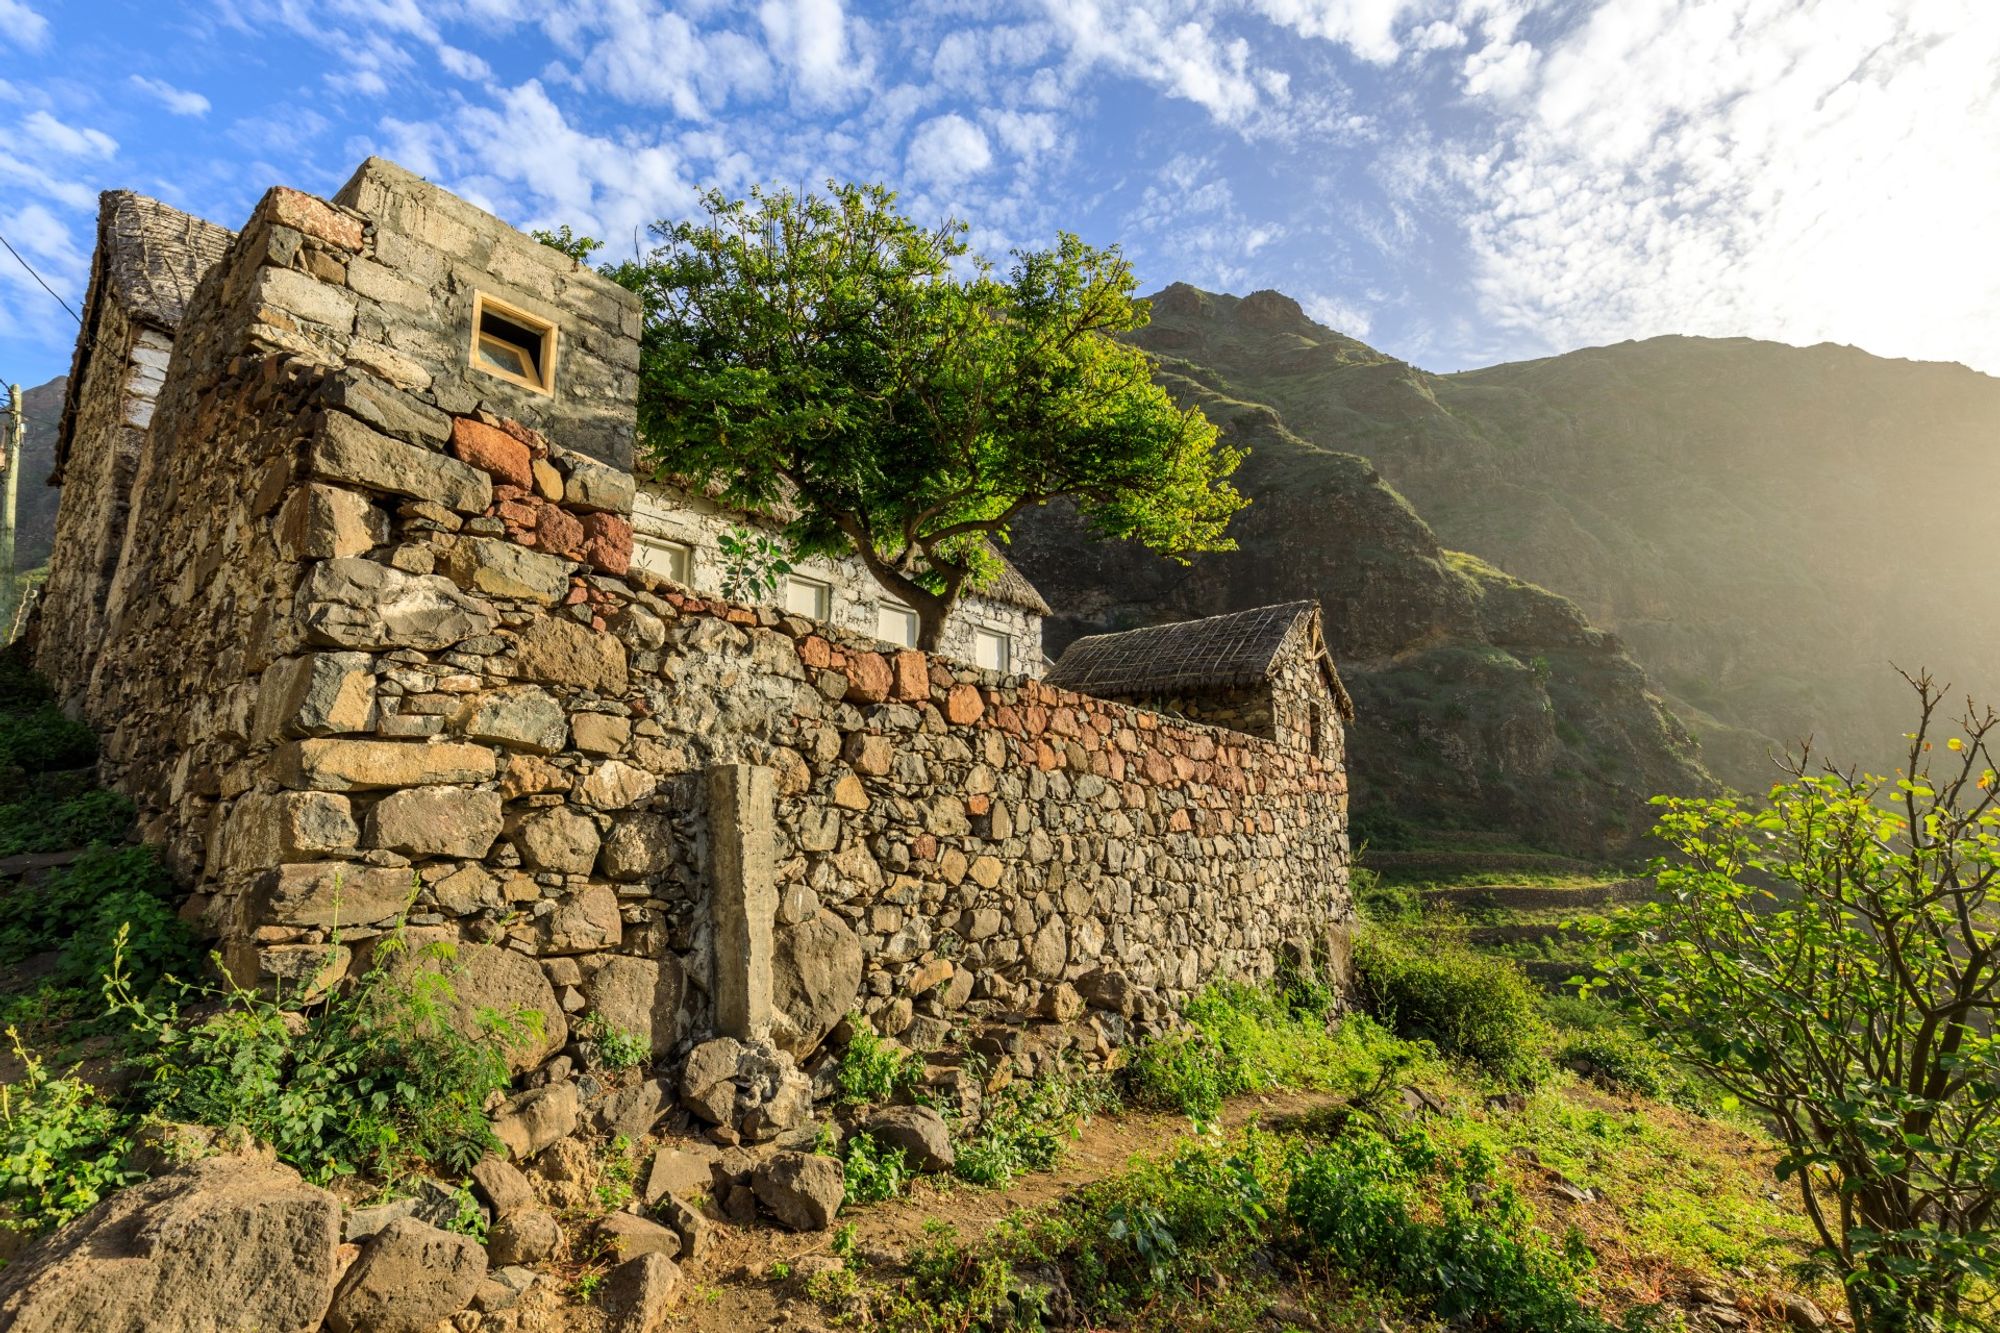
point(616, 1048)
point(36, 825)
point(1029, 1124)
point(45, 739)
point(1243, 1038)
point(872, 1070)
point(1470, 1007)
point(62, 1147)
point(375, 1080)
point(873, 1171)
point(1363, 1204)
point(80, 910)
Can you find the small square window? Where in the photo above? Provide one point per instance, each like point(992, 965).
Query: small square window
point(992, 650)
point(669, 560)
point(513, 345)
point(896, 623)
point(808, 597)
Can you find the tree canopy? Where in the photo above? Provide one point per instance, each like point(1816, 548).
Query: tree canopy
point(826, 359)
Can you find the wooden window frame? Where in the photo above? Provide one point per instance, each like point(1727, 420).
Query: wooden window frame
point(823, 595)
point(915, 622)
point(482, 304)
point(1006, 638)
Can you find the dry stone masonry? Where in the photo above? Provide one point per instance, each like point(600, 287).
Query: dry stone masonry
point(372, 648)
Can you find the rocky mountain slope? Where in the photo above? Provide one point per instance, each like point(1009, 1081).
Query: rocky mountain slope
point(1767, 528)
point(1482, 701)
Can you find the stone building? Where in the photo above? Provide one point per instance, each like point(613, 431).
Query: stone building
point(678, 536)
point(148, 262)
point(372, 647)
point(1265, 672)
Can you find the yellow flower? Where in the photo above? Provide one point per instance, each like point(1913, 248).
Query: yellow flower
point(1954, 744)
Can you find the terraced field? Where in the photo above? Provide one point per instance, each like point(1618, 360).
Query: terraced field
point(1505, 898)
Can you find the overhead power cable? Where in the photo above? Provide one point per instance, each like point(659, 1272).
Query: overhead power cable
point(38, 278)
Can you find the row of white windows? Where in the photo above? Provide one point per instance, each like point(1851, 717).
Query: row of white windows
point(992, 649)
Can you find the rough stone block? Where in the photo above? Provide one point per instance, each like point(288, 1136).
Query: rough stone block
point(485, 979)
point(521, 717)
point(641, 996)
point(562, 652)
point(301, 972)
point(344, 450)
point(637, 848)
point(264, 828)
point(583, 922)
point(325, 764)
point(600, 733)
point(497, 568)
point(436, 821)
point(592, 485)
point(355, 603)
point(316, 694)
point(387, 409)
point(607, 542)
point(325, 894)
point(492, 451)
point(615, 784)
point(557, 839)
point(287, 207)
point(323, 522)
point(304, 297)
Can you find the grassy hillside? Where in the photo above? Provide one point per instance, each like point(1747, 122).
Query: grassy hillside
point(1766, 528)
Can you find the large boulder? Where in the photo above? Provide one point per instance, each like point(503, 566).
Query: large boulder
point(919, 1131)
point(803, 1190)
point(488, 980)
point(530, 1121)
point(407, 1279)
point(223, 1243)
point(815, 980)
point(636, 1293)
point(640, 996)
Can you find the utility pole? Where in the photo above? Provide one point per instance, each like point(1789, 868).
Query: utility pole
point(10, 587)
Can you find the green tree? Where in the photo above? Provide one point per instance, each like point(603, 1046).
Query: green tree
point(826, 358)
point(1830, 957)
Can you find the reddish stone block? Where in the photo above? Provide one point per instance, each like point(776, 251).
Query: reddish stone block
point(978, 805)
point(314, 217)
point(1045, 758)
point(493, 451)
point(607, 542)
point(963, 706)
point(869, 679)
point(913, 675)
point(557, 532)
point(815, 652)
point(925, 847)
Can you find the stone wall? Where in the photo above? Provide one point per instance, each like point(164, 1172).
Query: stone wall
point(121, 383)
point(373, 652)
point(670, 514)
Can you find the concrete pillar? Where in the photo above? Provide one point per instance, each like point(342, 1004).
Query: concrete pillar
point(742, 811)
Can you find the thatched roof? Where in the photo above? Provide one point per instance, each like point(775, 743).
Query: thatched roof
point(150, 257)
point(154, 255)
point(1190, 656)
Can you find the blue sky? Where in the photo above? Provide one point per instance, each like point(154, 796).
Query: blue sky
point(1455, 181)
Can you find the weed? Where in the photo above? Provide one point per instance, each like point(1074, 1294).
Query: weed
point(616, 1169)
point(43, 740)
point(82, 910)
point(62, 1146)
point(616, 1048)
point(872, 1070)
point(1028, 1125)
point(39, 825)
point(873, 1171)
point(1471, 1007)
point(372, 1080)
point(469, 1219)
point(586, 1285)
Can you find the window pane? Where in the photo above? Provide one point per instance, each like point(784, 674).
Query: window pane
point(807, 597)
point(503, 357)
point(671, 560)
point(992, 650)
point(896, 624)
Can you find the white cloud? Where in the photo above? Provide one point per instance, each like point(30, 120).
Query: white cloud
point(1366, 27)
point(1500, 69)
point(463, 64)
point(812, 38)
point(68, 140)
point(1337, 313)
point(177, 100)
point(1155, 41)
point(25, 29)
point(1736, 167)
point(948, 149)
